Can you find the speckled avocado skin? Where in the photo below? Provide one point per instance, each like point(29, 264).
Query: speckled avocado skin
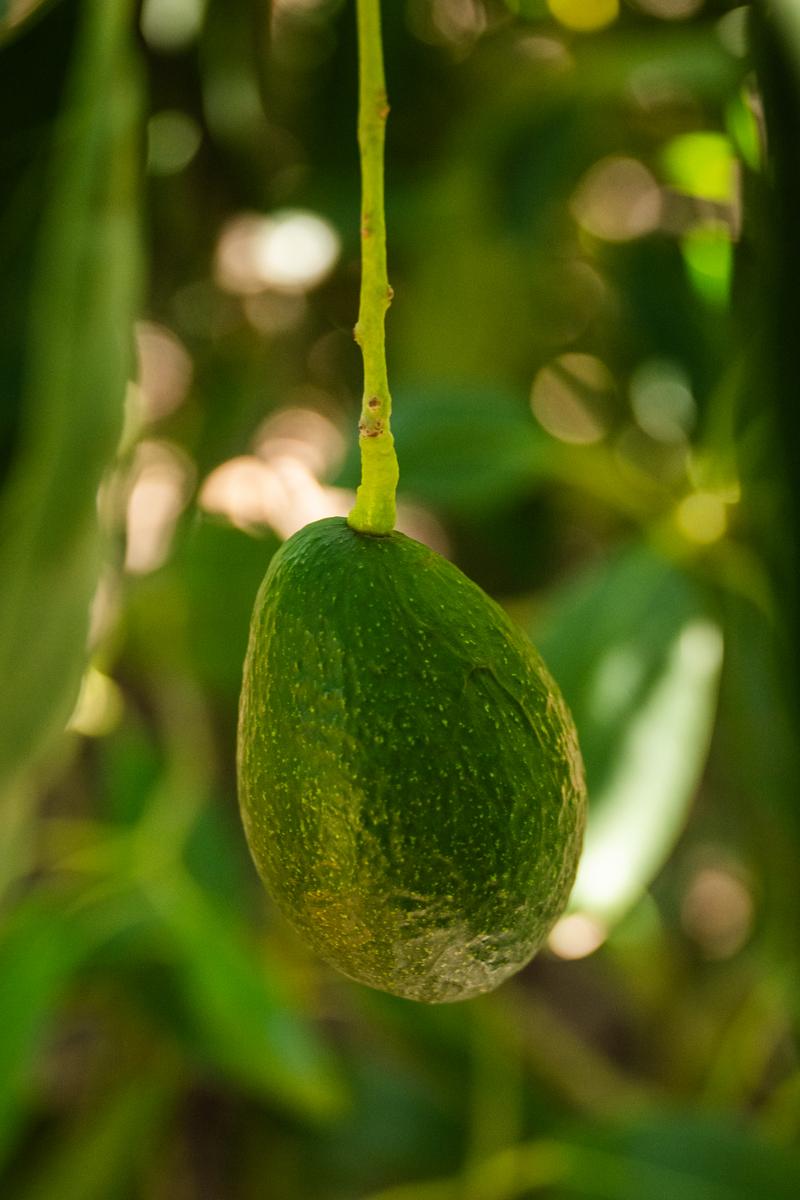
point(409, 776)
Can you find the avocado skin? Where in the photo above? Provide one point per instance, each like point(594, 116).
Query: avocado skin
point(409, 777)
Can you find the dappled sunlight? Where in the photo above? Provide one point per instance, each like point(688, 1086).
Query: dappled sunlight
point(571, 398)
point(453, 22)
point(171, 25)
point(662, 401)
point(304, 434)
point(548, 51)
point(291, 251)
point(282, 494)
point(161, 483)
point(702, 517)
point(165, 370)
point(279, 485)
point(717, 910)
point(279, 490)
point(618, 200)
point(585, 16)
point(576, 935)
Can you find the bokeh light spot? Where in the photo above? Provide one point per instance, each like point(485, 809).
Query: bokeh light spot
point(162, 479)
point(577, 935)
point(584, 16)
point(172, 24)
point(173, 139)
point(291, 251)
point(703, 518)
point(670, 10)
point(618, 200)
point(305, 434)
point(717, 912)
point(571, 398)
point(662, 400)
point(165, 370)
point(281, 494)
point(702, 164)
point(453, 22)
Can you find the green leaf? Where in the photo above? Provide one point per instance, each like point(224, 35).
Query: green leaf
point(76, 361)
point(673, 1158)
point(787, 17)
point(99, 1154)
point(41, 946)
point(759, 761)
point(466, 448)
point(243, 1014)
point(638, 660)
point(221, 569)
point(530, 9)
point(684, 1158)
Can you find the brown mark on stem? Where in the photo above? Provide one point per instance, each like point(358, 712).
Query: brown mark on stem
point(372, 431)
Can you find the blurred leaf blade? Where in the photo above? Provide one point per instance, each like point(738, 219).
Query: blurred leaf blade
point(98, 1155)
point(787, 17)
point(41, 946)
point(242, 1009)
point(638, 659)
point(76, 364)
point(689, 1158)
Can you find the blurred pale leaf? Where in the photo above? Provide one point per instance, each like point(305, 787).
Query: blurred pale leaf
point(248, 1023)
point(638, 659)
point(76, 363)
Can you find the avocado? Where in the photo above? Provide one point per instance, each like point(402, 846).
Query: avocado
point(409, 776)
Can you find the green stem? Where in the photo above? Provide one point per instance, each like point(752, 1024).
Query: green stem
point(374, 510)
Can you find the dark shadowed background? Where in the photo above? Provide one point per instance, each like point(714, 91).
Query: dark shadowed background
point(593, 217)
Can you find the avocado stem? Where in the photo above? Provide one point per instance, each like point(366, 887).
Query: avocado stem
point(374, 511)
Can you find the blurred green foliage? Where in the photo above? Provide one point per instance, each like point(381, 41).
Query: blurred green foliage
point(592, 343)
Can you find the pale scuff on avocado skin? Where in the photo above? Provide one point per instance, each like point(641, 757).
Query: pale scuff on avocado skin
point(409, 776)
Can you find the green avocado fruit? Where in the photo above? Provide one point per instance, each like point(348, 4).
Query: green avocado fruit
point(409, 775)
